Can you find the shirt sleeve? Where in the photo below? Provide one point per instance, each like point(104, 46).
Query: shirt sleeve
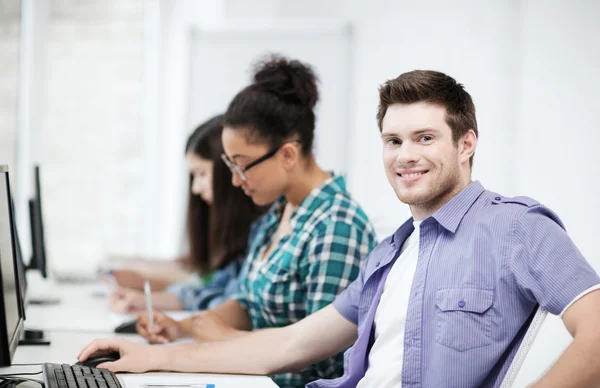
point(185, 292)
point(237, 289)
point(333, 261)
point(546, 264)
point(208, 295)
point(346, 302)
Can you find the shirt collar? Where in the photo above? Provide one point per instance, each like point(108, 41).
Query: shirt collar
point(450, 215)
point(332, 186)
point(402, 233)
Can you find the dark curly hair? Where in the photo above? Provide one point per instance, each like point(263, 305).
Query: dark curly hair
point(278, 104)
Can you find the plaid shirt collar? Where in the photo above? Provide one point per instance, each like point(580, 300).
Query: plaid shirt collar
point(332, 186)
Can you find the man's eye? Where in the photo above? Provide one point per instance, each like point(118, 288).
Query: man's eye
point(426, 138)
point(393, 142)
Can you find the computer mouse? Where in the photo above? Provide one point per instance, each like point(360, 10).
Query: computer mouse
point(127, 327)
point(98, 358)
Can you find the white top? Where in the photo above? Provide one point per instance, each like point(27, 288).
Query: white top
point(387, 353)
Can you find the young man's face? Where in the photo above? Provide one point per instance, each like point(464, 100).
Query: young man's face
point(422, 162)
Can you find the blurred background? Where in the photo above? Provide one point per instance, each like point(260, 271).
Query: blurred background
point(102, 95)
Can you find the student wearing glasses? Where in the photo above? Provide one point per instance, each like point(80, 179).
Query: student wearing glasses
point(312, 242)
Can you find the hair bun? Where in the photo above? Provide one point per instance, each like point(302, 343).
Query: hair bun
point(290, 80)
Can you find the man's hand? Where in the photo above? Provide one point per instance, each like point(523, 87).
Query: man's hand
point(136, 358)
point(163, 331)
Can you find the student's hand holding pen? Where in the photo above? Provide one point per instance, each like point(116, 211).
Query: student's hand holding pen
point(163, 331)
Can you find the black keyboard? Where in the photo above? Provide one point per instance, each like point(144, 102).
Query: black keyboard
point(76, 376)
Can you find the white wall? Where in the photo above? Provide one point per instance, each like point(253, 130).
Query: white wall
point(558, 134)
point(9, 65)
point(91, 140)
point(30, 97)
point(166, 104)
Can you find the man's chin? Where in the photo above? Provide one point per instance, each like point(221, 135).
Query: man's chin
point(412, 197)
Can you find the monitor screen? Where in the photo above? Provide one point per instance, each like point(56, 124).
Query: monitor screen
point(19, 263)
point(11, 320)
point(38, 260)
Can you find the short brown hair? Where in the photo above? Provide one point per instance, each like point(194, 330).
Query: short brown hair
point(435, 88)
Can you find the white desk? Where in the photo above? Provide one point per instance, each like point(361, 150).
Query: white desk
point(81, 318)
point(78, 311)
point(65, 347)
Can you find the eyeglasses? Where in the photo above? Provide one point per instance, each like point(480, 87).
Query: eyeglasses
point(234, 168)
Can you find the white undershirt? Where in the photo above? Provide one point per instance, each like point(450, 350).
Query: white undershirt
point(387, 353)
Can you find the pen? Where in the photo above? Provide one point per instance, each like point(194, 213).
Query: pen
point(178, 385)
point(148, 295)
point(114, 286)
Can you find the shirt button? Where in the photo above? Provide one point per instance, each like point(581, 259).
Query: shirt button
point(461, 303)
point(377, 264)
point(497, 198)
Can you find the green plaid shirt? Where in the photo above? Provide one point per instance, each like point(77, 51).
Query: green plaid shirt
point(330, 239)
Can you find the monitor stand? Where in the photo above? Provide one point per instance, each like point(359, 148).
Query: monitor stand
point(41, 291)
point(33, 337)
point(45, 301)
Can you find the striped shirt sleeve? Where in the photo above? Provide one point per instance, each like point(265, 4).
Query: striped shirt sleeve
point(546, 265)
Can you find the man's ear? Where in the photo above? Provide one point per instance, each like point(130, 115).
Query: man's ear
point(467, 145)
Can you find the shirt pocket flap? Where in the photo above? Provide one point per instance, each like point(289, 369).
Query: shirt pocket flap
point(476, 300)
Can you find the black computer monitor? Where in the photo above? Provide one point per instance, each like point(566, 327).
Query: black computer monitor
point(19, 263)
point(11, 304)
point(30, 336)
point(38, 244)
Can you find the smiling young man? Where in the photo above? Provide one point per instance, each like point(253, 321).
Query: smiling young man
point(443, 302)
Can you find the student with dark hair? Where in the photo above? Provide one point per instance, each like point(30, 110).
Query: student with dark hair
point(219, 217)
point(447, 299)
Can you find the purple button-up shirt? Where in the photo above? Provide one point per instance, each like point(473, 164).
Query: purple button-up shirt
point(485, 262)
